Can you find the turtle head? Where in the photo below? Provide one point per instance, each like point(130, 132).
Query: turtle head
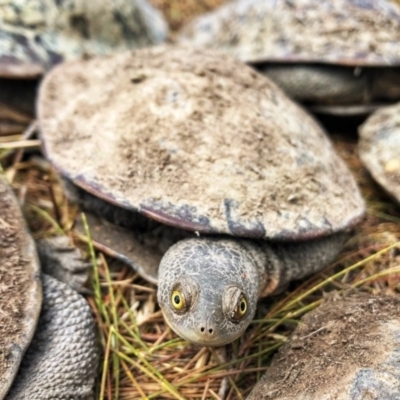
point(208, 289)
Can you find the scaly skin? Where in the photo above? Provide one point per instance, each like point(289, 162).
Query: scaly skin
point(61, 361)
point(214, 275)
point(64, 262)
point(324, 84)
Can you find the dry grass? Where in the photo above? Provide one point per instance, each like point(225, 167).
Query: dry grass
point(142, 358)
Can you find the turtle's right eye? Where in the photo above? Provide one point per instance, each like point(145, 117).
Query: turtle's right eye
point(181, 298)
point(178, 300)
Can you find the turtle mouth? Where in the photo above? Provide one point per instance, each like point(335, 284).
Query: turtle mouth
point(215, 339)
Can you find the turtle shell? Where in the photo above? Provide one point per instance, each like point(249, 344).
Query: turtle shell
point(36, 34)
point(348, 32)
point(196, 140)
point(361, 332)
point(379, 148)
point(20, 290)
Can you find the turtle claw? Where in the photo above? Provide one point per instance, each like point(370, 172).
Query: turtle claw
point(64, 262)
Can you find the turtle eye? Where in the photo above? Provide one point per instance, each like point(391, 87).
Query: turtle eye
point(241, 308)
point(235, 304)
point(182, 296)
point(178, 300)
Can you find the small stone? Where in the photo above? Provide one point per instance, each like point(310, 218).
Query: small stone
point(392, 165)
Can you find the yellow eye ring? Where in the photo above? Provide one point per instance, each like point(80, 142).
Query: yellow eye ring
point(178, 300)
point(241, 308)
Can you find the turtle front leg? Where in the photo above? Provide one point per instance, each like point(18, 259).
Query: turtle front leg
point(61, 362)
point(64, 262)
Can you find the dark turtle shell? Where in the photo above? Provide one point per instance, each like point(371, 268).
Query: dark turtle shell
point(379, 148)
point(36, 34)
point(195, 140)
point(20, 289)
point(347, 32)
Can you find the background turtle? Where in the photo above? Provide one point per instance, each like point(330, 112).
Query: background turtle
point(54, 356)
point(341, 53)
point(37, 34)
point(379, 148)
point(348, 348)
point(200, 142)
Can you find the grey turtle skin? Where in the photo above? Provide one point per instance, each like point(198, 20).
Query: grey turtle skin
point(347, 349)
point(338, 56)
point(379, 148)
point(37, 34)
point(223, 188)
point(48, 347)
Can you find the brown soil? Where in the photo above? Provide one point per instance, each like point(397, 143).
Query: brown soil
point(331, 345)
point(196, 140)
point(20, 291)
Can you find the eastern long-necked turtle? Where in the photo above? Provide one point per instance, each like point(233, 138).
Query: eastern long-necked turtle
point(341, 53)
point(48, 348)
point(37, 34)
point(176, 144)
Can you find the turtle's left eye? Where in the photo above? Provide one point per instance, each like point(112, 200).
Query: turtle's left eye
point(241, 308)
point(235, 304)
point(178, 300)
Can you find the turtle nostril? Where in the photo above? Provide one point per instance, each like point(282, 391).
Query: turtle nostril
point(203, 329)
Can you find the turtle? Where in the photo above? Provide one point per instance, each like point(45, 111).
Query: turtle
point(347, 348)
point(379, 148)
point(222, 188)
point(338, 56)
point(48, 347)
point(37, 34)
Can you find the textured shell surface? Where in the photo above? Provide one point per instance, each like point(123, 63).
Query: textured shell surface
point(197, 140)
point(20, 289)
point(35, 34)
point(361, 332)
point(348, 32)
point(379, 148)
